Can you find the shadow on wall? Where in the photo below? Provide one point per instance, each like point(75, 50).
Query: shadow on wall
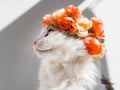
point(18, 63)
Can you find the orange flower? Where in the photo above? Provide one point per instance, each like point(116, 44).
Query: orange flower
point(93, 46)
point(73, 11)
point(47, 20)
point(66, 23)
point(97, 27)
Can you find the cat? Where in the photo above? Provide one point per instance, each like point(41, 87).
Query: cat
point(66, 64)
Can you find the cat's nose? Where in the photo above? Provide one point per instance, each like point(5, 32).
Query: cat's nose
point(35, 42)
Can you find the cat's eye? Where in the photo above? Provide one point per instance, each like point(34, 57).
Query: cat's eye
point(49, 31)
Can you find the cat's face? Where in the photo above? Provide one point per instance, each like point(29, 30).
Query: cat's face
point(56, 45)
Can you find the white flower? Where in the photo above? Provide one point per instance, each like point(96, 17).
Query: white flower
point(85, 23)
point(82, 34)
point(58, 12)
point(79, 28)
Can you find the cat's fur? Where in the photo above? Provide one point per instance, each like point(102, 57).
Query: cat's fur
point(65, 64)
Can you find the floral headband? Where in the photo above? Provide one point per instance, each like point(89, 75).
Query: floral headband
point(72, 21)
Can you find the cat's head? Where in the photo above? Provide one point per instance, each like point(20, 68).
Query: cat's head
point(52, 43)
point(59, 41)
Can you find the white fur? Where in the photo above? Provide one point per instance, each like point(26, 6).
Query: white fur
point(67, 66)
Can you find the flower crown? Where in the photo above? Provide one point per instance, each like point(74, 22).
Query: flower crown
point(73, 22)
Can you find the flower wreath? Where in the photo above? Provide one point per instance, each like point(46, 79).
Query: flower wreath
point(72, 21)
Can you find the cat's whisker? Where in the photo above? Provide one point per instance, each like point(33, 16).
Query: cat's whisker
point(24, 49)
point(23, 46)
point(31, 60)
point(28, 58)
point(26, 52)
